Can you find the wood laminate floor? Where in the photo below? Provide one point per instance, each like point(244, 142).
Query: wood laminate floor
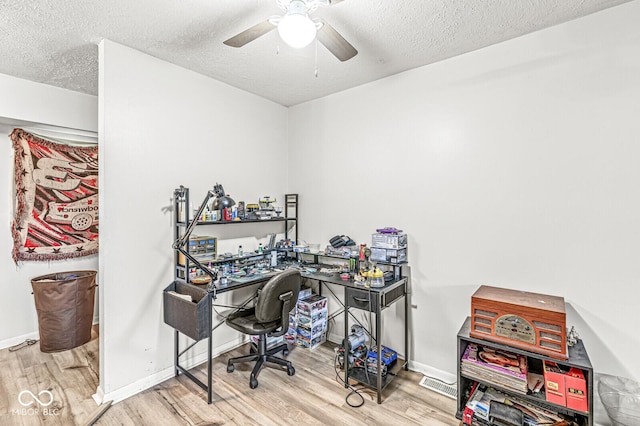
point(313, 396)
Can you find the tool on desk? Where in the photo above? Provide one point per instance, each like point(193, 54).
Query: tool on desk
point(266, 203)
point(376, 278)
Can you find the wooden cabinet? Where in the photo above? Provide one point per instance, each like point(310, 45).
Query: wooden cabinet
point(578, 359)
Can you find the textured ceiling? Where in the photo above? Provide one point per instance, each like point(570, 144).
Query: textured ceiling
point(55, 42)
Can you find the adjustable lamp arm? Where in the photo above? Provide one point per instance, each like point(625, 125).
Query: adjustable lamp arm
point(180, 243)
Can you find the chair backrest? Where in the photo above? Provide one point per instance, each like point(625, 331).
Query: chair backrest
point(270, 304)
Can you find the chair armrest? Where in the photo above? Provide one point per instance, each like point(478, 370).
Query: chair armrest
point(286, 308)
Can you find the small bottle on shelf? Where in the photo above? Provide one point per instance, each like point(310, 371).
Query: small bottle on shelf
point(260, 249)
point(240, 252)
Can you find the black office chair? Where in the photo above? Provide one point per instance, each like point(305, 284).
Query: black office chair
point(269, 317)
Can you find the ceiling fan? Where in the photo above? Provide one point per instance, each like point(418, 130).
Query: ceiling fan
point(298, 30)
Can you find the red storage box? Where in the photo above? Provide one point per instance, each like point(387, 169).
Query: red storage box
point(576, 390)
point(554, 383)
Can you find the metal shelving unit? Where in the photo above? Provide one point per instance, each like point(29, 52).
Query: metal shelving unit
point(182, 220)
point(195, 319)
point(577, 358)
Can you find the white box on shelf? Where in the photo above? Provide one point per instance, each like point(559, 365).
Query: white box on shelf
point(389, 255)
point(389, 241)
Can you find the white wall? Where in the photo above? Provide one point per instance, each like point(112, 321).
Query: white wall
point(26, 101)
point(513, 166)
point(161, 127)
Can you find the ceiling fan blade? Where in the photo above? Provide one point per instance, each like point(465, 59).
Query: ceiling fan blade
point(250, 34)
point(332, 2)
point(335, 43)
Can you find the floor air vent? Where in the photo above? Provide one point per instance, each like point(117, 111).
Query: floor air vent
point(440, 387)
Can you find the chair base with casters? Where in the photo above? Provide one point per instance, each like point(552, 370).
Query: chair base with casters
point(261, 355)
point(269, 317)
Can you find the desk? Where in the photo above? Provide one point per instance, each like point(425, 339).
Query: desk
point(375, 300)
point(198, 322)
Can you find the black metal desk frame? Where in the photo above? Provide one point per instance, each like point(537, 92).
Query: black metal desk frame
point(397, 289)
point(323, 279)
point(211, 296)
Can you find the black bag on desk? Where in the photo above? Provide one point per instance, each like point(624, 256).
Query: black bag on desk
point(341, 241)
point(505, 415)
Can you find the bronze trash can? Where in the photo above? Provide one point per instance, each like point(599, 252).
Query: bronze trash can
point(64, 303)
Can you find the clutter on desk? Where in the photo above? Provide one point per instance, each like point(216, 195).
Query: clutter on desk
point(367, 266)
point(285, 244)
point(375, 277)
point(341, 241)
point(223, 208)
point(345, 252)
point(201, 279)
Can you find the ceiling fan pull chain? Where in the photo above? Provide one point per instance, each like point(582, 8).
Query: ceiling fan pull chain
point(316, 59)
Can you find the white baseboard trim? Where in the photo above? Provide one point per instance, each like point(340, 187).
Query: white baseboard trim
point(430, 371)
point(12, 341)
point(165, 374)
point(98, 397)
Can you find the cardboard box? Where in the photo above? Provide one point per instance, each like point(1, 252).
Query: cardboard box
point(312, 304)
point(291, 335)
point(566, 387)
point(310, 342)
point(389, 241)
point(305, 292)
point(576, 390)
point(554, 384)
point(389, 255)
point(314, 327)
point(312, 318)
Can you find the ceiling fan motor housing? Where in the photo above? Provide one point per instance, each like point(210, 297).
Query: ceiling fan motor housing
point(297, 7)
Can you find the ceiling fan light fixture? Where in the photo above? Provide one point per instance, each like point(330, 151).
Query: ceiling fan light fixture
point(297, 30)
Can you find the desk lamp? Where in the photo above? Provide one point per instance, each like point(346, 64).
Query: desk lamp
point(220, 202)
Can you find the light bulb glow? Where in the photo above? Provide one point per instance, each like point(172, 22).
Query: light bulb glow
point(297, 30)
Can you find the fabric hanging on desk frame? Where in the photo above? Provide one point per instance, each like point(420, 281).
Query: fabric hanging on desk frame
point(56, 215)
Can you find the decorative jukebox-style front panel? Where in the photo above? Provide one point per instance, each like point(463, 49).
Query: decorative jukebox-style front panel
point(529, 321)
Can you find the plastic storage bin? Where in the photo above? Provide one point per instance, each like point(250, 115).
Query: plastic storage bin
point(621, 399)
point(64, 304)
